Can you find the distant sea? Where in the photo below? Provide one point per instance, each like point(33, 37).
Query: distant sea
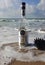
point(9, 28)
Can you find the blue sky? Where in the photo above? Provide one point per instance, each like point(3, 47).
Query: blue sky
point(32, 2)
point(12, 8)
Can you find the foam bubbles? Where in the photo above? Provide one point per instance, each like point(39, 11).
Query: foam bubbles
point(9, 53)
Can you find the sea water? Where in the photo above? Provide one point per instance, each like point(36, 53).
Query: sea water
point(9, 29)
point(9, 33)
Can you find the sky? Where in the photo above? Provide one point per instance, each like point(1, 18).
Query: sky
point(12, 8)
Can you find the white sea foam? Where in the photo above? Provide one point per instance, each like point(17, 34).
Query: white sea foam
point(39, 31)
point(9, 30)
point(9, 35)
point(8, 53)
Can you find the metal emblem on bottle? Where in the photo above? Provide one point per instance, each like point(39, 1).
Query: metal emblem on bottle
point(22, 36)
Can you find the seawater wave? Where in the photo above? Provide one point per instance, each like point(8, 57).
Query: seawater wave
point(9, 29)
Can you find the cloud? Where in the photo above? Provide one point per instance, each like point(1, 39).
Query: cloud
point(36, 10)
point(5, 4)
point(13, 13)
point(30, 8)
point(11, 8)
point(41, 5)
point(9, 3)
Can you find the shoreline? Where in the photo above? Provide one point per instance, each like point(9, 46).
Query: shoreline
point(14, 62)
point(24, 56)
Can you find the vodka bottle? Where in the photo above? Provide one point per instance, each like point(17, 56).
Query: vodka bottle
point(22, 30)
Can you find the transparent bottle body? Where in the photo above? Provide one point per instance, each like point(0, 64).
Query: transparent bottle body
point(22, 38)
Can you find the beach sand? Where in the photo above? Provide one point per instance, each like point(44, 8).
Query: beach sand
point(16, 62)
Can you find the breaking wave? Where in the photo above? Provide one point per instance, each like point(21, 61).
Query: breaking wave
point(9, 29)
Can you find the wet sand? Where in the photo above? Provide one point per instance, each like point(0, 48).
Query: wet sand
point(14, 62)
